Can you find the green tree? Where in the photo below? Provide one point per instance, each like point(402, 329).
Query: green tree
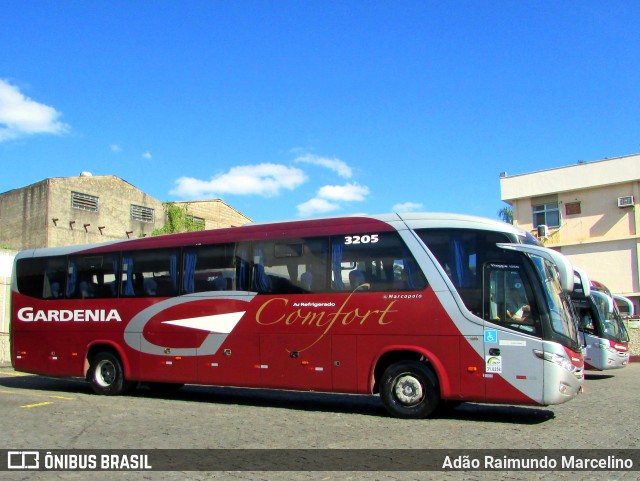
point(506, 214)
point(178, 220)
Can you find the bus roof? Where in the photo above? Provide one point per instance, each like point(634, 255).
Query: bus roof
point(300, 228)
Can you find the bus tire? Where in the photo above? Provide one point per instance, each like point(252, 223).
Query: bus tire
point(106, 375)
point(409, 389)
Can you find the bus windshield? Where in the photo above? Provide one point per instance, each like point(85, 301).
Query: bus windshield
point(560, 309)
point(612, 326)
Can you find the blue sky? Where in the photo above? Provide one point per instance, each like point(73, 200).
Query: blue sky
point(288, 108)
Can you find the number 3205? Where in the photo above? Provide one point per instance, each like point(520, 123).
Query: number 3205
point(361, 239)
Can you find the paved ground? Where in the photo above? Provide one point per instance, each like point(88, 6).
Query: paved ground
point(45, 413)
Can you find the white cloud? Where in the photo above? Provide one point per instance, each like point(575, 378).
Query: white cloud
point(20, 116)
point(115, 148)
point(407, 207)
point(147, 155)
point(332, 197)
point(338, 166)
point(266, 180)
point(316, 206)
point(345, 193)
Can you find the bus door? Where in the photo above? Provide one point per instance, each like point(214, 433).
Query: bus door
point(512, 334)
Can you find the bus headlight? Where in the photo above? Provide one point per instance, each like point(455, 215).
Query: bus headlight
point(556, 359)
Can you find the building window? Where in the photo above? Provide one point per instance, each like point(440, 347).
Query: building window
point(142, 214)
point(84, 202)
point(572, 208)
point(546, 214)
point(197, 221)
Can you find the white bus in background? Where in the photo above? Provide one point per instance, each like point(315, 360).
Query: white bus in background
point(625, 306)
point(605, 336)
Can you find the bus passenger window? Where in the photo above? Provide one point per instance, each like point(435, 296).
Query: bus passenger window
point(208, 268)
point(91, 276)
point(41, 277)
point(285, 266)
point(150, 273)
point(374, 262)
point(459, 252)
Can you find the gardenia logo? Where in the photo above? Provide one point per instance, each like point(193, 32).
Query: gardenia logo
point(28, 314)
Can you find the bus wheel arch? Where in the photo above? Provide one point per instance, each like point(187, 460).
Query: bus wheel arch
point(106, 373)
point(385, 360)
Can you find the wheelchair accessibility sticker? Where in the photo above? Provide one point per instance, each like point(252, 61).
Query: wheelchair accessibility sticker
point(491, 336)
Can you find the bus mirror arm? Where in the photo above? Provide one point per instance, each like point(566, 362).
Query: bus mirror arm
point(565, 268)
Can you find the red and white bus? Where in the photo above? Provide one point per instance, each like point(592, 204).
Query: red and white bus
point(606, 339)
point(411, 306)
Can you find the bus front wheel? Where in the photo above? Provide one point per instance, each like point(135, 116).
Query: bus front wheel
point(409, 389)
point(106, 375)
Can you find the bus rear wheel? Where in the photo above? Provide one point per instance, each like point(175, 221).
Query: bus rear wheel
point(409, 389)
point(106, 375)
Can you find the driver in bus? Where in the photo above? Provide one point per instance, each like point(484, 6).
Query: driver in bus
point(521, 314)
point(518, 308)
point(587, 322)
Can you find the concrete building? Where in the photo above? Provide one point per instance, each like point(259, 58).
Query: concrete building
point(214, 213)
point(90, 209)
point(589, 212)
point(6, 264)
point(84, 210)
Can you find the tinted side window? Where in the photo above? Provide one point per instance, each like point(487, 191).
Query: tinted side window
point(40, 277)
point(289, 266)
point(208, 268)
point(375, 262)
point(92, 276)
point(150, 273)
point(460, 252)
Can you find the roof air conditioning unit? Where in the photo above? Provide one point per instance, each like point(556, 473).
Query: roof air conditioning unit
point(626, 201)
point(543, 231)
